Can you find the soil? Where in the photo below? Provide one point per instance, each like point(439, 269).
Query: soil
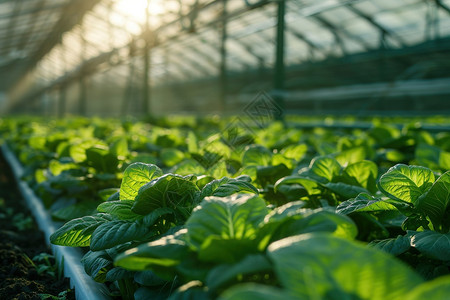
point(20, 242)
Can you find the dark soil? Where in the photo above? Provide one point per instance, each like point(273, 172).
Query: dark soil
point(20, 242)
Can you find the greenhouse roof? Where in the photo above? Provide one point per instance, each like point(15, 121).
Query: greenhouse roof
point(66, 38)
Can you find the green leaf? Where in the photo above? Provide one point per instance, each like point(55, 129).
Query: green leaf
point(364, 202)
point(218, 170)
point(56, 167)
point(77, 232)
point(148, 278)
point(406, 183)
point(116, 274)
point(311, 186)
point(433, 244)
point(394, 246)
point(169, 190)
point(438, 288)
point(294, 220)
point(189, 166)
point(287, 210)
point(106, 194)
point(226, 273)
point(234, 217)
point(76, 210)
point(192, 142)
point(444, 160)
point(325, 167)
point(193, 290)
point(296, 152)
point(120, 148)
point(363, 173)
point(255, 291)
point(350, 156)
point(78, 151)
point(345, 190)
point(227, 186)
point(165, 252)
point(113, 233)
point(144, 158)
point(435, 203)
point(102, 159)
point(257, 155)
point(37, 142)
point(151, 218)
point(97, 264)
point(120, 209)
point(322, 221)
point(171, 156)
point(135, 176)
point(317, 265)
point(280, 159)
point(145, 293)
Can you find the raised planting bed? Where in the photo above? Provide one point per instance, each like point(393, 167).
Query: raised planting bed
point(68, 258)
point(28, 270)
point(217, 209)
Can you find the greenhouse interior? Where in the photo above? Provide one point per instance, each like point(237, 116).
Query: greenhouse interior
point(225, 149)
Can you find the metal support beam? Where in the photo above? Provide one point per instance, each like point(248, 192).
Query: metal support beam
point(82, 6)
point(442, 6)
point(12, 23)
point(223, 59)
point(146, 77)
point(82, 97)
point(336, 31)
point(71, 14)
point(377, 25)
point(129, 87)
point(62, 102)
point(30, 24)
point(279, 73)
point(432, 21)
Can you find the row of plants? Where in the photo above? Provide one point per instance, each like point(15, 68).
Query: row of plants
point(205, 208)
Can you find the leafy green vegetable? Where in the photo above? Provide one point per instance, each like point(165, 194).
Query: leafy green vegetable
point(436, 202)
point(318, 265)
point(135, 176)
point(364, 202)
point(257, 155)
point(435, 289)
point(170, 190)
point(433, 244)
point(406, 183)
point(325, 169)
point(256, 292)
point(394, 246)
point(221, 224)
point(110, 234)
point(78, 232)
point(227, 186)
point(165, 252)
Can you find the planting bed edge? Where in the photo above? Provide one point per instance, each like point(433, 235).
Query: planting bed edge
point(85, 286)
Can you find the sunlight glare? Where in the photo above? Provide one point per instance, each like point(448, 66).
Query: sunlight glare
point(136, 8)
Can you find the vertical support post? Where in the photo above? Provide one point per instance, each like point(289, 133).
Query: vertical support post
point(223, 58)
point(63, 88)
point(62, 102)
point(129, 87)
point(432, 21)
point(279, 73)
point(82, 95)
point(146, 75)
